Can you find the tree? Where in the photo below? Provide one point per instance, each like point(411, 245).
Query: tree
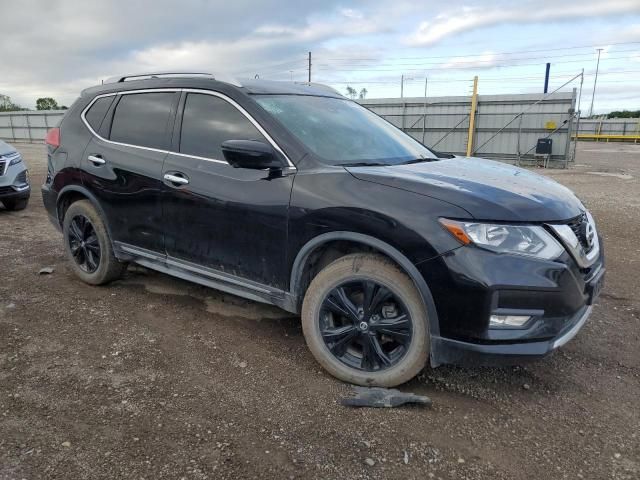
point(351, 92)
point(46, 103)
point(624, 114)
point(363, 93)
point(6, 105)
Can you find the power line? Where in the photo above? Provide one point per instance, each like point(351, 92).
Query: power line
point(458, 62)
point(269, 66)
point(522, 80)
point(449, 67)
point(499, 53)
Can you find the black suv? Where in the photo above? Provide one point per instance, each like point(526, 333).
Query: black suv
point(292, 195)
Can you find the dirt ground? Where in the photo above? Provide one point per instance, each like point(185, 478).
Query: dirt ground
point(152, 377)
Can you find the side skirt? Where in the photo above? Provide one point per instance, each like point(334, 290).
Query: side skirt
point(206, 276)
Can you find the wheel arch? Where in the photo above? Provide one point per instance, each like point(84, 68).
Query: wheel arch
point(73, 193)
point(301, 262)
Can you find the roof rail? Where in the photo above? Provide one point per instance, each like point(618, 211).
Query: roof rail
point(219, 77)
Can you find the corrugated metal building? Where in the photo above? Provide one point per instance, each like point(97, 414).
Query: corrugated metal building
point(504, 126)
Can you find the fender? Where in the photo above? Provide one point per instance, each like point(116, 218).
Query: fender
point(85, 192)
point(391, 252)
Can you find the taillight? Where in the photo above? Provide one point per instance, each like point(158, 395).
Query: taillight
point(53, 137)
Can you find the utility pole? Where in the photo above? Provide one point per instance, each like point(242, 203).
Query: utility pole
point(595, 81)
point(402, 86)
point(546, 78)
point(472, 117)
point(424, 119)
point(309, 67)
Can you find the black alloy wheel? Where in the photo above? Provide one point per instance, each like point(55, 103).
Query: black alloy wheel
point(365, 325)
point(84, 244)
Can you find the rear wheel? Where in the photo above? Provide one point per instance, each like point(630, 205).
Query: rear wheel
point(365, 322)
point(88, 245)
point(13, 205)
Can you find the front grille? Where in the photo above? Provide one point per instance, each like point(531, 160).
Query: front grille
point(3, 166)
point(579, 227)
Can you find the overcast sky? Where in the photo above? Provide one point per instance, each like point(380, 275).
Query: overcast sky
point(57, 48)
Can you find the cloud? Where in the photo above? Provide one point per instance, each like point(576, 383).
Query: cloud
point(84, 42)
point(79, 43)
point(485, 60)
point(468, 19)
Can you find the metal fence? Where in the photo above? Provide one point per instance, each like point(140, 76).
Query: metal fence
point(507, 127)
point(28, 126)
point(619, 129)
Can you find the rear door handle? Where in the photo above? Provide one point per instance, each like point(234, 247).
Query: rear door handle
point(97, 160)
point(175, 179)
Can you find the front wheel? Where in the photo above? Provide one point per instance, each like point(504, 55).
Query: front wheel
point(364, 321)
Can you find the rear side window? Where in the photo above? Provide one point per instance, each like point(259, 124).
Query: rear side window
point(208, 121)
point(98, 110)
point(141, 119)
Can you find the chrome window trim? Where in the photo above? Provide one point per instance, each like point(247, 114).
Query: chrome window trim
point(113, 94)
point(255, 123)
point(246, 114)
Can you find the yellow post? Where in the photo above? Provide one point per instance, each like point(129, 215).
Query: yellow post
point(472, 116)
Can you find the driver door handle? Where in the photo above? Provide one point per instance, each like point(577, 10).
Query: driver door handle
point(176, 179)
point(97, 160)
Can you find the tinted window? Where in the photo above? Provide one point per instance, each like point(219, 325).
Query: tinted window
point(141, 119)
point(208, 121)
point(98, 110)
point(341, 131)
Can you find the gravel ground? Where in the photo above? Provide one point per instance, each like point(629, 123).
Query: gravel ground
point(152, 377)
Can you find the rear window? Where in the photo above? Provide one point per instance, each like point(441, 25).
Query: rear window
point(142, 118)
point(98, 110)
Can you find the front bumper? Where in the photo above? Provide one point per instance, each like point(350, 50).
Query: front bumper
point(11, 193)
point(469, 285)
point(14, 181)
point(450, 351)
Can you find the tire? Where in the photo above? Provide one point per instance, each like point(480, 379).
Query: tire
point(343, 276)
point(14, 205)
point(107, 268)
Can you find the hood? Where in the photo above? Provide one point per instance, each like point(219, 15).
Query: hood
point(4, 148)
point(488, 190)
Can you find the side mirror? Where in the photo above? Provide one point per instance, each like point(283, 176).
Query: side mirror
point(250, 154)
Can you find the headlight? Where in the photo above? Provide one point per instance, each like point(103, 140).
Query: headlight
point(15, 160)
point(533, 240)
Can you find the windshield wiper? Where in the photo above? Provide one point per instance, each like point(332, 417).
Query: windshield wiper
point(418, 160)
point(364, 164)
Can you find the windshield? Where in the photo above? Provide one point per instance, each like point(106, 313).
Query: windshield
point(342, 132)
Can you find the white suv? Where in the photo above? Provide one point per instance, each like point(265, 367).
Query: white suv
point(14, 179)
